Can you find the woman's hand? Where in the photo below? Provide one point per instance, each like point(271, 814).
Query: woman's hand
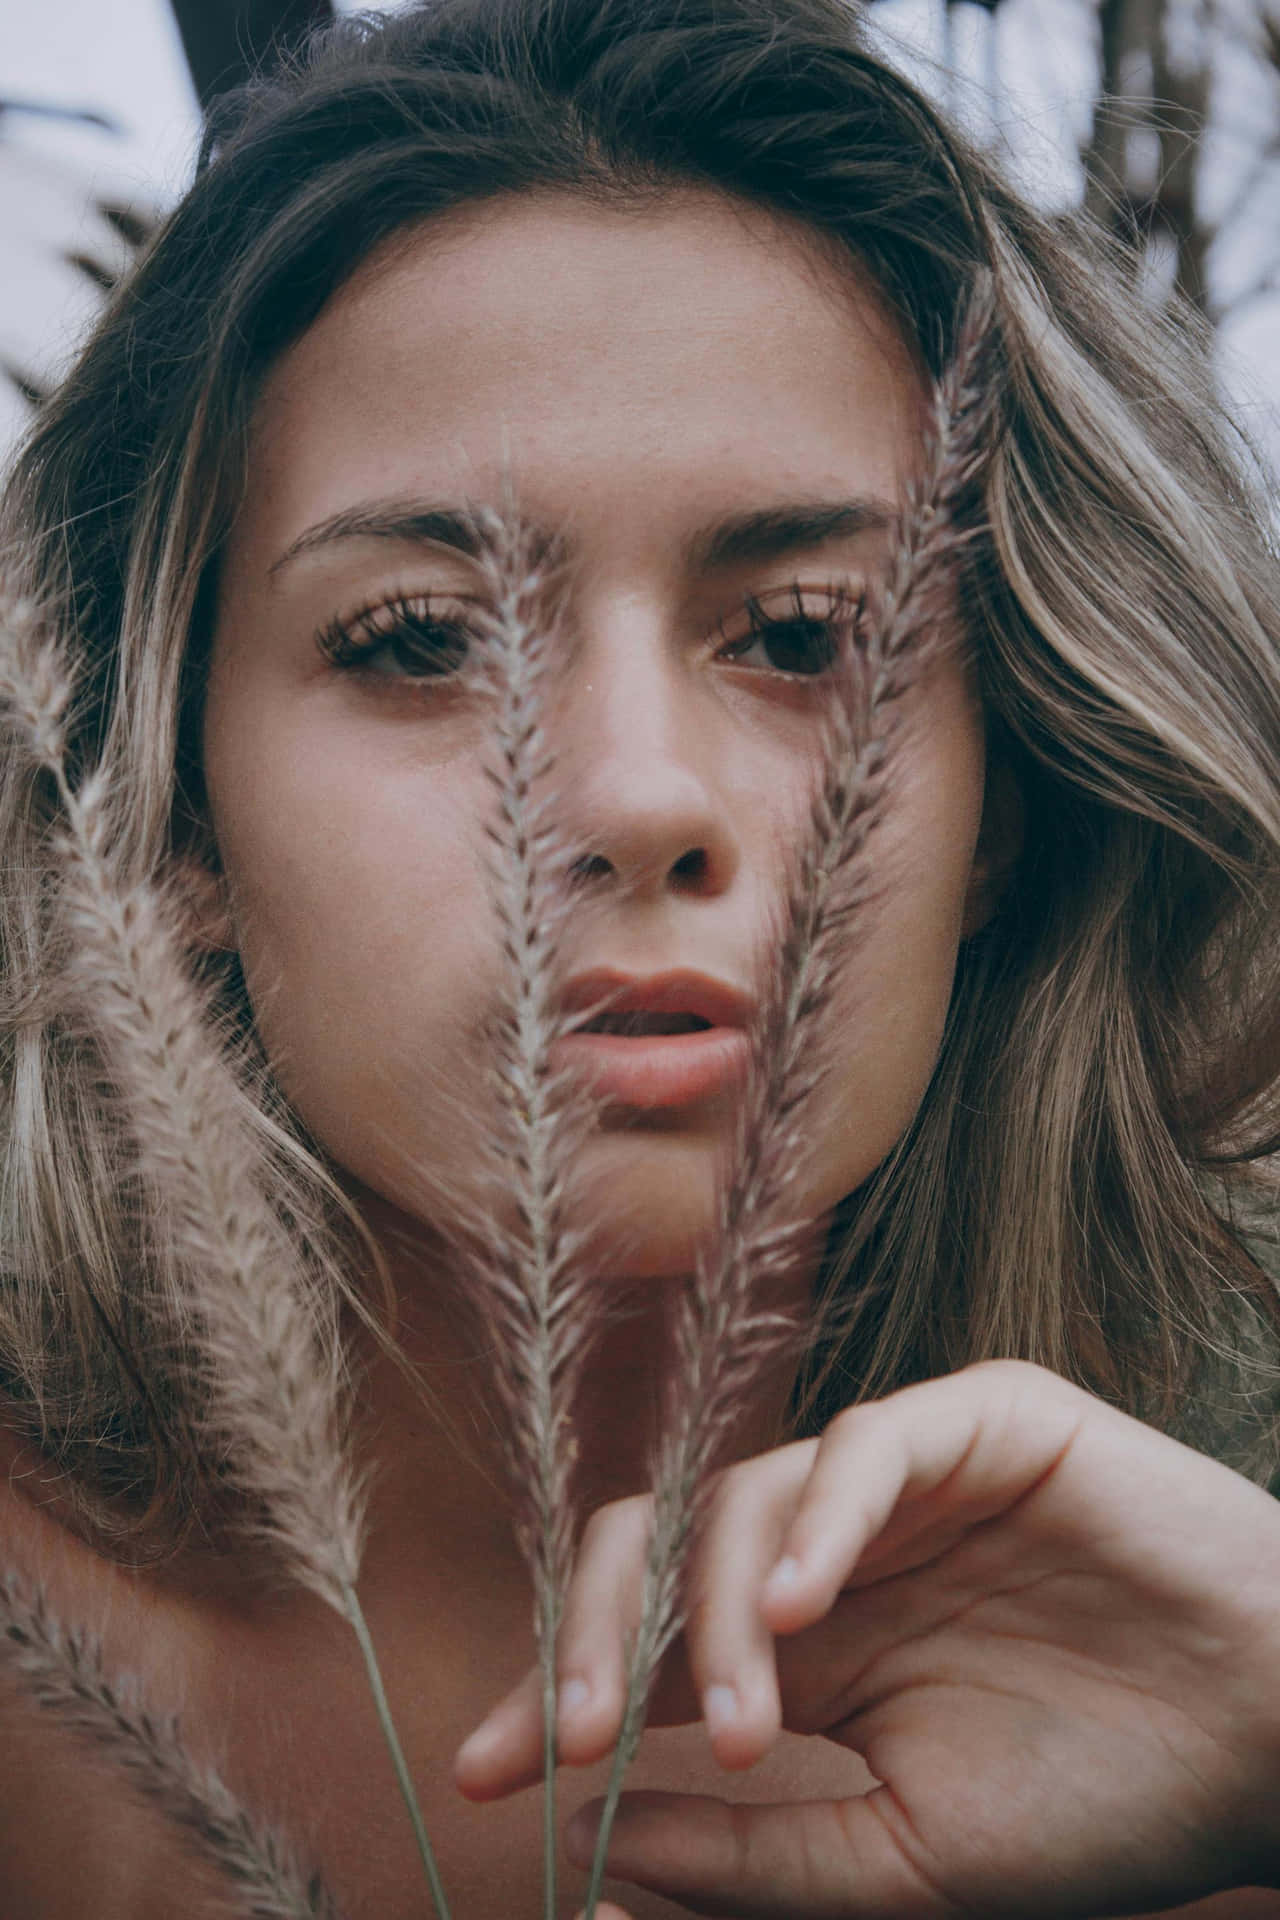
point(1053, 1634)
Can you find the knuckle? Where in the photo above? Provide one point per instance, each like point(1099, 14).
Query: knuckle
point(852, 1425)
point(616, 1526)
point(737, 1490)
point(1016, 1375)
point(748, 1482)
point(1014, 1371)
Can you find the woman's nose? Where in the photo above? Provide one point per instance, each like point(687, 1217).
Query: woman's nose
point(637, 776)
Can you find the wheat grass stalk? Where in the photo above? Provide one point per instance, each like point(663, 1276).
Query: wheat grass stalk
point(722, 1335)
point(529, 1285)
point(272, 1397)
point(62, 1671)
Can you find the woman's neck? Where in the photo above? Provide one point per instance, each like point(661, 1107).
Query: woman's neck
point(429, 1422)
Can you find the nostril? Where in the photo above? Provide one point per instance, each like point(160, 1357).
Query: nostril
point(692, 865)
point(591, 866)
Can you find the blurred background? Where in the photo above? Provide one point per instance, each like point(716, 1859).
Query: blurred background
point(1162, 115)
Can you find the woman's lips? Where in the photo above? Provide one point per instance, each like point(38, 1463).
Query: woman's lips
point(656, 1069)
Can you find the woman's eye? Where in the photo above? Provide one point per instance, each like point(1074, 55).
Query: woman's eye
point(401, 640)
point(795, 639)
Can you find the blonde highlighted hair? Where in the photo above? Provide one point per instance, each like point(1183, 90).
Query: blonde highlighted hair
point(1070, 1190)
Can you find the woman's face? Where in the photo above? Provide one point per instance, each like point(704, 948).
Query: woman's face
point(683, 393)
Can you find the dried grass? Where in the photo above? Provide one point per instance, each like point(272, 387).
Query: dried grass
point(724, 1334)
point(269, 1392)
point(269, 1396)
point(62, 1671)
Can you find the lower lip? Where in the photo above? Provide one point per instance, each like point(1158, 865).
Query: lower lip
point(657, 1070)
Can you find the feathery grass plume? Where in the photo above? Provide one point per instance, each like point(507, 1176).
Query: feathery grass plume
point(61, 1669)
point(722, 1335)
point(274, 1397)
point(35, 684)
point(528, 1285)
point(271, 1391)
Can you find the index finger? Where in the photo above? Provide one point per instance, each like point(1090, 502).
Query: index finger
point(895, 1481)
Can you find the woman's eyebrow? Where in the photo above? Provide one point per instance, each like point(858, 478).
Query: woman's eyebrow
point(758, 534)
point(405, 520)
point(792, 526)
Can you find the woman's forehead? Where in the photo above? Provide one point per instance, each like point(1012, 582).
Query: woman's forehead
point(696, 354)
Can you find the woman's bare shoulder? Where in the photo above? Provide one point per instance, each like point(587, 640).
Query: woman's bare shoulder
point(75, 1838)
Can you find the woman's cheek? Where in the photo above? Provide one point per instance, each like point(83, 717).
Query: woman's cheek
point(890, 1004)
point(367, 943)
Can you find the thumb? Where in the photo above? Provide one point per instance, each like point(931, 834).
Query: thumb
point(806, 1860)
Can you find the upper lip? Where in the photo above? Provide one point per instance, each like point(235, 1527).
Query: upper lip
point(605, 990)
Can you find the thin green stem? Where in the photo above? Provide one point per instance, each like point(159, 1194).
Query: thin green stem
point(549, 1895)
point(623, 1754)
point(355, 1615)
point(551, 1599)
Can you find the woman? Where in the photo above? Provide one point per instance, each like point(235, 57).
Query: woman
point(680, 276)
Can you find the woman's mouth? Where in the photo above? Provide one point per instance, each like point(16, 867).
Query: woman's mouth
point(659, 1060)
point(662, 1040)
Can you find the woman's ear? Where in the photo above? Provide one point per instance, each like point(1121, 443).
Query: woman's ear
point(1000, 841)
point(203, 901)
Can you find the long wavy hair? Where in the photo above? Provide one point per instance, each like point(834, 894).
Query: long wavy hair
point(1106, 1095)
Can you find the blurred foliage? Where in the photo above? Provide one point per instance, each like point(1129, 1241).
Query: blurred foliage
point(1171, 78)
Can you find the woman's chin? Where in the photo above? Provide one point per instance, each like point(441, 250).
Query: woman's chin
point(649, 1203)
point(643, 1201)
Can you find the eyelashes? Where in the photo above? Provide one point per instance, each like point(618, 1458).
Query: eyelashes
point(402, 638)
point(806, 640)
point(417, 639)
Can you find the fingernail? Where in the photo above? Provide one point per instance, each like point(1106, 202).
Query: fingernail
point(574, 1695)
point(785, 1574)
point(720, 1708)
